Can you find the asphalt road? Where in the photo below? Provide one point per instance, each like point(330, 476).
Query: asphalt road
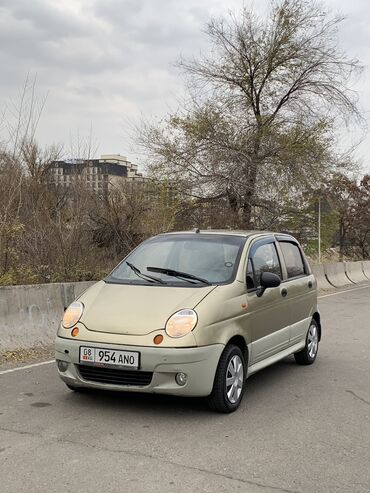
point(299, 429)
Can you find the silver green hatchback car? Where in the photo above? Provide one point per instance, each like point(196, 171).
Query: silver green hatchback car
point(193, 314)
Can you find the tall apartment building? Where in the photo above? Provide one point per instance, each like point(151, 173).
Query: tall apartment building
point(100, 175)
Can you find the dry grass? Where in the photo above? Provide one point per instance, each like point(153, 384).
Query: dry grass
point(11, 359)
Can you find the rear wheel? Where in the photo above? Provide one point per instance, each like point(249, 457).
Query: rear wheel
point(229, 383)
point(308, 354)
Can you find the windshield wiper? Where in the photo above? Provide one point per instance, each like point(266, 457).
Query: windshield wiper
point(177, 273)
point(144, 276)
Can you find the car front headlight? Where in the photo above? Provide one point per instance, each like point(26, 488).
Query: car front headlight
point(181, 323)
point(72, 315)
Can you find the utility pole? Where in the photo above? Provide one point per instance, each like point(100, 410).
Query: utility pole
point(319, 227)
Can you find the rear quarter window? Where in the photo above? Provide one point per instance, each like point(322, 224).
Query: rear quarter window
point(293, 259)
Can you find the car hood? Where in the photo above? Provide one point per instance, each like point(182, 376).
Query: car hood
point(136, 309)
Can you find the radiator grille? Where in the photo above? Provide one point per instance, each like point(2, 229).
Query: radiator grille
point(115, 377)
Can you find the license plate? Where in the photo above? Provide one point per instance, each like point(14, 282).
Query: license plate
point(109, 357)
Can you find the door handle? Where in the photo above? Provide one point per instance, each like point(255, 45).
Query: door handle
point(310, 284)
point(284, 292)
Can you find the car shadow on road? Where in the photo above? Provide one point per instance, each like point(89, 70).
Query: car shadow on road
point(258, 385)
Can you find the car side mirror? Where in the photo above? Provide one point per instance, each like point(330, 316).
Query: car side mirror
point(268, 280)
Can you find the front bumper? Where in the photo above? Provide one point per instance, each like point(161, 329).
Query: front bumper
point(199, 363)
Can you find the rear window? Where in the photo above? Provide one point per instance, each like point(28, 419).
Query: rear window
point(293, 259)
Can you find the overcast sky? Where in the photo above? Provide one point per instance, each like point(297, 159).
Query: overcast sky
point(103, 63)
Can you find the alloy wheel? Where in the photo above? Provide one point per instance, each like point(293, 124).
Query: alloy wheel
point(313, 341)
point(234, 379)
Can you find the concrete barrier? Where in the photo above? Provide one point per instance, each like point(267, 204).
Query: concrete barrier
point(355, 272)
point(336, 275)
point(29, 315)
point(366, 269)
point(319, 273)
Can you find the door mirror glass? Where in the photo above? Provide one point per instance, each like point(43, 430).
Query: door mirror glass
point(268, 280)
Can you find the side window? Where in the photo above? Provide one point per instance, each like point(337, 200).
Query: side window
point(263, 259)
point(293, 259)
point(250, 276)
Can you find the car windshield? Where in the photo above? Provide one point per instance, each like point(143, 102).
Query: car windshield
point(181, 260)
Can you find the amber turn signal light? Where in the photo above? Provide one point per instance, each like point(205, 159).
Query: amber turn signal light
point(75, 332)
point(158, 339)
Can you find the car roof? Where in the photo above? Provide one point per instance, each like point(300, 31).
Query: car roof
point(231, 232)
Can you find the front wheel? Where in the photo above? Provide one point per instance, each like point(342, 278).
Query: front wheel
point(308, 354)
point(229, 383)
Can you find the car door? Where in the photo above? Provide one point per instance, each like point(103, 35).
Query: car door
point(268, 318)
point(300, 286)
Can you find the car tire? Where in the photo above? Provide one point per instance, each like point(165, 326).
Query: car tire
point(308, 354)
point(229, 382)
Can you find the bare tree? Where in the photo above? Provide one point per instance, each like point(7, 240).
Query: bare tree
point(262, 107)
point(22, 117)
point(84, 147)
point(39, 161)
point(10, 203)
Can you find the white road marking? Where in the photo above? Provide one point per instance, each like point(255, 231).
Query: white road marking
point(344, 291)
point(11, 370)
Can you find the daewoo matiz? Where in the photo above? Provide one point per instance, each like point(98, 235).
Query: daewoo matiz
point(193, 314)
